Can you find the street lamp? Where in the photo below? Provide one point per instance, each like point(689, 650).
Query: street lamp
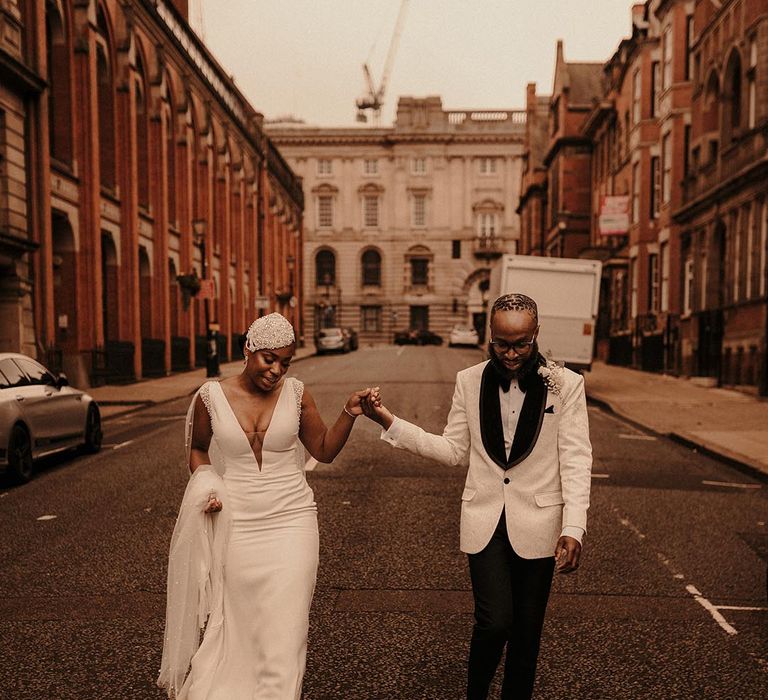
point(199, 227)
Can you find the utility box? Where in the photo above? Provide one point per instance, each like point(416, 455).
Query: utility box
point(567, 293)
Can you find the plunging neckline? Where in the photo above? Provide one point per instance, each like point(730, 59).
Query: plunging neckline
point(245, 433)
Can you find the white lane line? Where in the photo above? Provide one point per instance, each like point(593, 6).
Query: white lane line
point(731, 484)
point(48, 517)
point(600, 476)
point(400, 350)
point(711, 609)
point(122, 444)
point(629, 436)
point(740, 607)
point(310, 464)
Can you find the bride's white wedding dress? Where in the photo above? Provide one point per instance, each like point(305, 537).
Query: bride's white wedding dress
point(255, 643)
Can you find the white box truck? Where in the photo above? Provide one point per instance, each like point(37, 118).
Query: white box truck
point(567, 292)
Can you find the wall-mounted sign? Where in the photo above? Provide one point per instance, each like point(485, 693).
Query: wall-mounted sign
point(614, 215)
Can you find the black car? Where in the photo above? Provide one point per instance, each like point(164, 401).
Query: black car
point(417, 337)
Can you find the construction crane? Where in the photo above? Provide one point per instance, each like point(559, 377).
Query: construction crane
point(373, 99)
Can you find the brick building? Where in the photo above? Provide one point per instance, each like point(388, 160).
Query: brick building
point(128, 153)
point(724, 216)
point(404, 222)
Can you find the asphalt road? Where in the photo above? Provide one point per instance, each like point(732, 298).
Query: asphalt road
point(670, 601)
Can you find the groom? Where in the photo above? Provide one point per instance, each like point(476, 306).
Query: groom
point(522, 423)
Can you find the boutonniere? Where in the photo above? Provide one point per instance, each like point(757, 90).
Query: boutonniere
point(552, 374)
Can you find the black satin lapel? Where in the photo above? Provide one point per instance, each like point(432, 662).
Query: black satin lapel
point(529, 423)
point(490, 417)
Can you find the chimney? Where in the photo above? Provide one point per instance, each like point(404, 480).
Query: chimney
point(183, 7)
point(638, 16)
point(559, 57)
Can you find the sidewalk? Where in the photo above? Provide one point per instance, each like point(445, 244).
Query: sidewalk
point(725, 423)
point(114, 399)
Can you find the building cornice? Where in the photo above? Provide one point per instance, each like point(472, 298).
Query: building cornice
point(20, 76)
point(389, 140)
point(564, 141)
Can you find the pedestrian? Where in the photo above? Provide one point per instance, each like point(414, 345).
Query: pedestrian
point(522, 422)
point(249, 511)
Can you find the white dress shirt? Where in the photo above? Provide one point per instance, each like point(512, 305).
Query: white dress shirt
point(511, 403)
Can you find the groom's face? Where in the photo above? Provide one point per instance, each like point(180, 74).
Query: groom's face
point(512, 336)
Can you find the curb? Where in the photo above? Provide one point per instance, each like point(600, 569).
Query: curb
point(745, 467)
point(137, 405)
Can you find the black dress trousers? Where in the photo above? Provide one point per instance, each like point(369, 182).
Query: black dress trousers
point(511, 596)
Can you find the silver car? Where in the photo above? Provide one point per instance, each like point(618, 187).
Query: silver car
point(40, 414)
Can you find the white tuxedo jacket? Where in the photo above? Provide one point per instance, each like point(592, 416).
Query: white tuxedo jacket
point(545, 489)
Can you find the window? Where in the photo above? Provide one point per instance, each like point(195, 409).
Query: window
point(666, 48)
point(633, 289)
point(655, 86)
point(419, 212)
point(371, 264)
point(370, 211)
point(666, 178)
point(487, 224)
point(324, 167)
point(686, 149)
point(487, 166)
point(455, 249)
point(688, 286)
point(655, 186)
point(637, 87)
point(12, 374)
point(751, 84)
point(419, 166)
point(325, 211)
point(325, 269)
point(370, 166)
point(419, 272)
point(664, 255)
point(370, 319)
point(635, 192)
point(688, 43)
point(36, 372)
point(653, 283)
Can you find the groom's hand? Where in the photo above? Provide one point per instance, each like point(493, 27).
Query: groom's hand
point(375, 410)
point(567, 555)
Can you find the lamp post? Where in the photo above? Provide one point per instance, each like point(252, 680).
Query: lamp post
point(199, 227)
point(290, 262)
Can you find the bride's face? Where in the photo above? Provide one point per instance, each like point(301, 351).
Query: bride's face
point(266, 368)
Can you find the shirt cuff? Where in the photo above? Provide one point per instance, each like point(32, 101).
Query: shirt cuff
point(392, 436)
point(573, 531)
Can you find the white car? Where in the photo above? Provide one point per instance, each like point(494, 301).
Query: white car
point(40, 414)
point(463, 335)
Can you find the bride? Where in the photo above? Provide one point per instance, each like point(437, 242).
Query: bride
point(244, 551)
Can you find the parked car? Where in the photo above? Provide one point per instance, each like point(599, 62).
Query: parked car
point(463, 335)
point(40, 414)
point(332, 340)
point(351, 333)
point(417, 337)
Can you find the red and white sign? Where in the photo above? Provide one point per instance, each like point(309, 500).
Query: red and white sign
point(614, 215)
point(207, 289)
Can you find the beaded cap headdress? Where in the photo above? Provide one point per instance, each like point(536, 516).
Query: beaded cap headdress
point(269, 333)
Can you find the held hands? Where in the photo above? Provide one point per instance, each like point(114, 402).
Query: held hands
point(354, 405)
point(214, 505)
point(567, 554)
point(376, 411)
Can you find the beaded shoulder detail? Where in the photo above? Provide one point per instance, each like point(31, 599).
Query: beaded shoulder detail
point(205, 395)
point(298, 390)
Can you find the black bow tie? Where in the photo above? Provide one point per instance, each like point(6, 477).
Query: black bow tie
point(505, 383)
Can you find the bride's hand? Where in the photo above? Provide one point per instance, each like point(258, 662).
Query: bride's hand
point(374, 409)
point(214, 505)
point(354, 403)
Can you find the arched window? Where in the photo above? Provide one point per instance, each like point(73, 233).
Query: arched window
point(59, 93)
point(732, 89)
point(106, 100)
point(142, 136)
point(371, 263)
point(325, 269)
point(170, 146)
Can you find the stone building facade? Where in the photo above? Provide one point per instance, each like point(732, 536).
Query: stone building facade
point(403, 223)
point(133, 154)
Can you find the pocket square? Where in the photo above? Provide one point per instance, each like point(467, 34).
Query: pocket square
point(549, 409)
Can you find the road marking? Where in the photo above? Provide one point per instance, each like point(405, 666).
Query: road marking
point(48, 517)
point(310, 464)
point(122, 444)
point(731, 484)
point(400, 350)
point(629, 436)
point(600, 476)
point(716, 616)
point(739, 607)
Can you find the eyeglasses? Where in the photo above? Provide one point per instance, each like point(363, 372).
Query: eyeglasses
point(520, 346)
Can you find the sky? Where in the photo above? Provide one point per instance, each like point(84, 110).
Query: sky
point(304, 57)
